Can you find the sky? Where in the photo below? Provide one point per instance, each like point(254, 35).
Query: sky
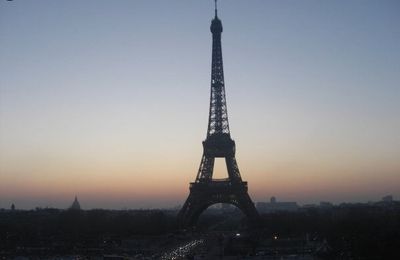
point(108, 100)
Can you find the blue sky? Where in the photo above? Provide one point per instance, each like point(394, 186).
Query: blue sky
point(109, 99)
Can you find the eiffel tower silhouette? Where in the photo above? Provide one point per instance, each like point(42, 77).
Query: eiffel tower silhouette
point(206, 191)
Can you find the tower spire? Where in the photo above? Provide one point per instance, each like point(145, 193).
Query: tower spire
point(216, 10)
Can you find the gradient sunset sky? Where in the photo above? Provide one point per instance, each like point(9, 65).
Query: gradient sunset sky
point(108, 100)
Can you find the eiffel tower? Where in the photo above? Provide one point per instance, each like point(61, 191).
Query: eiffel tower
point(206, 191)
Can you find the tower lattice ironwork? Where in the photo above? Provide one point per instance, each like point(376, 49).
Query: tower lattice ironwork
point(206, 191)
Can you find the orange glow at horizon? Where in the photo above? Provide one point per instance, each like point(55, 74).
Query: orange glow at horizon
point(166, 183)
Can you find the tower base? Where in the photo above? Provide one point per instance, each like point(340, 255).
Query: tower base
point(204, 194)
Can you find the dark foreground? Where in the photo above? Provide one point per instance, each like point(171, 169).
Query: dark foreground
point(353, 231)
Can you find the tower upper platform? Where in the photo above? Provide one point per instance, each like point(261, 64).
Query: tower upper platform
point(216, 24)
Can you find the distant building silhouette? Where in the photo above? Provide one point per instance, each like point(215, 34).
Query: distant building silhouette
point(274, 206)
point(75, 205)
point(12, 207)
point(325, 205)
point(309, 206)
point(388, 198)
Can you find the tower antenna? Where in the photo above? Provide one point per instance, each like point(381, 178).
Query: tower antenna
point(215, 8)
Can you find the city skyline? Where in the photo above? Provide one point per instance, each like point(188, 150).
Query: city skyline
point(110, 101)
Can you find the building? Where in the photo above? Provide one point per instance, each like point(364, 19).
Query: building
point(75, 205)
point(388, 198)
point(274, 206)
point(325, 205)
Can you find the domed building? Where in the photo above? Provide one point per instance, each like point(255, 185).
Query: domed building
point(75, 205)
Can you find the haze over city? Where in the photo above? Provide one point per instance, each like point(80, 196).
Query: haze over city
point(109, 100)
